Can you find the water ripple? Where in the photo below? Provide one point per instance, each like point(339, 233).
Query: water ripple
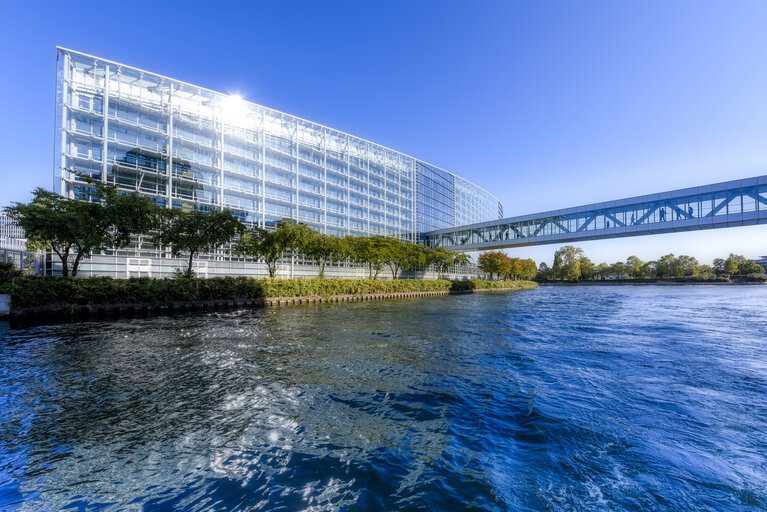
point(610, 398)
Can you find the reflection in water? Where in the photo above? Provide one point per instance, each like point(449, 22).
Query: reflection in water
point(616, 398)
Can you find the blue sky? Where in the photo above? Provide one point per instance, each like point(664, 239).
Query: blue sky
point(545, 104)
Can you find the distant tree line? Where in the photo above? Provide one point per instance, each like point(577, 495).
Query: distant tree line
point(496, 263)
point(74, 229)
point(570, 264)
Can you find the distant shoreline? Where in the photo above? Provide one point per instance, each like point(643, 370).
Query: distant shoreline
point(659, 282)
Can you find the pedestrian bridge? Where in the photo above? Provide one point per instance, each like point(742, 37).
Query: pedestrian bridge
point(721, 205)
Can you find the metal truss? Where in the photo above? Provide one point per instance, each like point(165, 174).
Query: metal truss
point(728, 204)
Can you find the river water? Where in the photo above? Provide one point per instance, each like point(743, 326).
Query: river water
point(593, 398)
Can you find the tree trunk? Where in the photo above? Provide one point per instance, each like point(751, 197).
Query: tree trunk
point(322, 267)
point(64, 261)
point(189, 268)
point(76, 264)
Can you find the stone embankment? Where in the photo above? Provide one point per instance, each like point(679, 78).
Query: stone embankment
point(104, 311)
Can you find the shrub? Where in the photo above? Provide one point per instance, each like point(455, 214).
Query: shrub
point(8, 271)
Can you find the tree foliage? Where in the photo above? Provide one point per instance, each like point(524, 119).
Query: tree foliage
point(668, 266)
point(195, 232)
point(73, 229)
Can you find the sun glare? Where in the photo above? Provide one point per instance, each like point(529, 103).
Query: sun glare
point(235, 110)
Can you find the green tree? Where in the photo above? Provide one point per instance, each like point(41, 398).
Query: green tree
point(442, 259)
point(633, 267)
point(326, 248)
point(618, 269)
point(74, 229)
point(705, 273)
point(398, 255)
point(718, 266)
point(260, 244)
point(569, 267)
point(544, 272)
point(731, 266)
point(750, 267)
point(493, 263)
point(527, 269)
point(649, 270)
point(514, 267)
point(371, 251)
point(687, 266)
point(293, 237)
point(603, 270)
point(194, 232)
point(667, 266)
point(587, 268)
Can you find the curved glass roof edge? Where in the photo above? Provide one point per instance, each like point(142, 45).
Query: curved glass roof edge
point(109, 61)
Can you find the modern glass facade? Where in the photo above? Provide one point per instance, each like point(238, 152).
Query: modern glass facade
point(187, 147)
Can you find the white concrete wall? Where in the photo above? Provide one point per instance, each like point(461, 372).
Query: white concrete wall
point(117, 267)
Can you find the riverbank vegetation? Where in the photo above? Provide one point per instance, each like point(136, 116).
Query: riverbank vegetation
point(104, 219)
point(64, 292)
point(571, 264)
point(497, 263)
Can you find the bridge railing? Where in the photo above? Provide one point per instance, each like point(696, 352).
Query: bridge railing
point(733, 203)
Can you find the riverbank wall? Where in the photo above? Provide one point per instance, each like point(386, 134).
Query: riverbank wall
point(94, 312)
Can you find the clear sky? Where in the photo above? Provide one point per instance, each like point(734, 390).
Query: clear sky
point(545, 104)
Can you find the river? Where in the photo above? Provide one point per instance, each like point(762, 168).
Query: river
point(593, 398)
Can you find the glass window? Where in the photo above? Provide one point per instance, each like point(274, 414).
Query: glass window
point(719, 203)
point(749, 199)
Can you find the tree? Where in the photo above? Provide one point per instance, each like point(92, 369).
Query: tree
point(543, 272)
point(618, 269)
point(588, 269)
point(603, 270)
point(75, 228)
point(398, 255)
point(326, 248)
point(442, 259)
point(705, 273)
point(718, 266)
point(731, 266)
point(649, 270)
point(633, 267)
point(493, 263)
point(194, 231)
point(750, 267)
point(513, 267)
point(369, 250)
point(130, 214)
point(567, 263)
point(666, 266)
point(686, 266)
point(744, 266)
point(527, 269)
point(293, 237)
point(259, 243)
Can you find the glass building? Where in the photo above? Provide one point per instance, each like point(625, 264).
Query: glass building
point(187, 147)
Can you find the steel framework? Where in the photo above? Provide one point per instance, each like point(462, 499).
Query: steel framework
point(721, 205)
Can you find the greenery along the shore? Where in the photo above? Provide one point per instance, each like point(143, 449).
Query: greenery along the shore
point(499, 264)
point(571, 264)
point(106, 219)
point(63, 292)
